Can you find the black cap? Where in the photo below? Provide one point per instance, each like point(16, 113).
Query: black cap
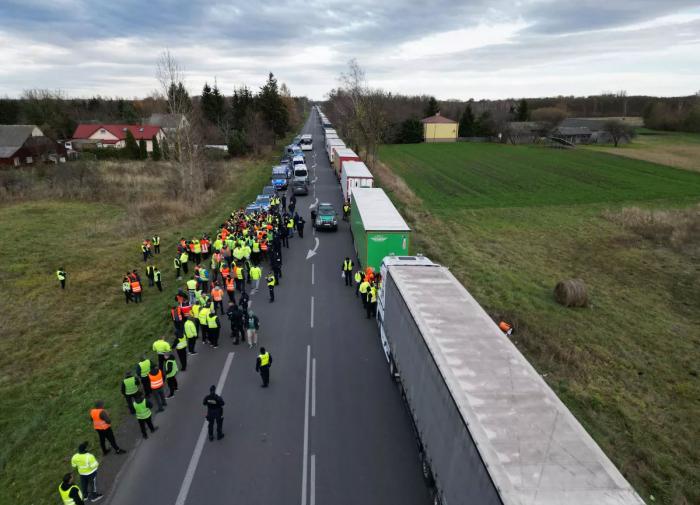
point(212, 389)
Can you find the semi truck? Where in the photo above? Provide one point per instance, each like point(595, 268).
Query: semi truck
point(340, 156)
point(489, 429)
point(355, 174)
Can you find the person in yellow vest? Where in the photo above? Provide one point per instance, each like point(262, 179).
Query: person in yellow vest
point(142, 369)
point(372, 300)
point(364, 287)
point(87, 465)
point(290, 227)
point(61, 276)
point(203, 313)
point(129, 387)
point(181, 349)
point(212, 327)
point(142, 409)
point(262, 365)
point(184, 259)
point(69, 492)
point(171, 374)
point(103, 426)
point(191, 332)
point(217, 294)
point(162, 348)
point(155, 377)
point(156, 244)
point(191, 289)
point(255, 274)
point(359, 277)
point(239, 276)
point(178, 267)
point(126, 288)
point(157, 278)
point(271, 285)
point(347, 271)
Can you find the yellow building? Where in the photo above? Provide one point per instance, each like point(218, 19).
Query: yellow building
point(439, 129)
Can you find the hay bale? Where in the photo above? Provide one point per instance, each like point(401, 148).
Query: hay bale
point(571, 293)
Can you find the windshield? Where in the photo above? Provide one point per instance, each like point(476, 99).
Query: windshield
point(300, 172)
point(326, 210)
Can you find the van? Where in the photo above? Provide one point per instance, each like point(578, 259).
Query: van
point(300, 172)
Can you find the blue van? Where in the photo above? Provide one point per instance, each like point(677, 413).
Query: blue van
point(280, 177)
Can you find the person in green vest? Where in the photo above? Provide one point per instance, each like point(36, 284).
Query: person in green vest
point(363, 289)
point(191, 332)
point(271, 285)
point(359, 277)
point(184, 259)
point(87, 465)
point(212, 327)
point(161, 347)
point(61, 275)
point(69, 492)
point(171, 374)
point(181, 349)
point(156, 244)
point(142, 409)
point(142, 369)
point(157, 277)
point(178, 267)
point(130, 386)
point(372, 300)
point(255, 274)
point(262, 366)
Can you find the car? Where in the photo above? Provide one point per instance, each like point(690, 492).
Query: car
point(252, 208)
point(297, 140)
point(285, 159)
point(280, 177)
point(300, 186)
point(301, 172)
point(292, 150)
point(263, 201)
point(269, 190)
point(326, 217)
point(307, 143)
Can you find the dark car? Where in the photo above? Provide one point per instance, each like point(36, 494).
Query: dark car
point(300, 187)
point(269, 190)
point(326, 217)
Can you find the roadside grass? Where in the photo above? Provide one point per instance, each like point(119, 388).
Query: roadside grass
point(512, 224)
point(64, 349)
point(676, 149)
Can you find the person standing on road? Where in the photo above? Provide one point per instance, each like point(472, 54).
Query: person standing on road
point(271, 281)
point(252, 327)
point(202, 317)
point(181, 350)
point(300, 225)
point(235, 316)
point(212, 328)
point(363, 289)
point(69, 492)
point(155, 376)
point(372, 300)
point(87, 465)
point(191, 334)
point(215, 413)
point(61, 276)
point(130, 387)
point(359, 277)
point(217, 294)
point(262, 365)
point(103, 426)
point(142, 409)
point(171, 374)
point(347, 271)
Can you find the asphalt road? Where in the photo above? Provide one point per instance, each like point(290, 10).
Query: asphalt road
point(330, 429)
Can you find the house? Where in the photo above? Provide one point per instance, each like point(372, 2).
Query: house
point(573, 134)
point(523, 132)
point(114, 135)
point(438, 128)
point(27, 144)
point(583, 130)
point(170, 123)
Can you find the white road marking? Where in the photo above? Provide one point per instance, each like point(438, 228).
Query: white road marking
point(312, 311)
point(313, 204)
point(312, 273)
point(304, 464)
point(312, 252)
point(312, 500)
point(199, 447)
point(313, 388)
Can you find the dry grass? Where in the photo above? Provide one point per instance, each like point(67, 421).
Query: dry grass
point(685, 157)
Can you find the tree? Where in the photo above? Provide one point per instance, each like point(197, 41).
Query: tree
point(127, 112)
point(411, 132)
point(155, 153)
point(272, 107)
point(131, 147)
point(9, 111)
point(467, 126)
point(432, 107)
point(485, 126)
point(522, 113)
point(143, 151)
point(549, 118)
point(236, 143)
point(242, 105)
point(212, 104)
point(617, 130)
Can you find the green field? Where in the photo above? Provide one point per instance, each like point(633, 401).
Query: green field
point(64, 349)
point(511, 221)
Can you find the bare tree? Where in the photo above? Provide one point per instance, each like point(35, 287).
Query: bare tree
point(549, 118)
point(617, 130)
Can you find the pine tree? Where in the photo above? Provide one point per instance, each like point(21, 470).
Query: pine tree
point(272, 106)
point(155, 154)
point(131, 147)
point(432, 108)
point(205, 101)
point(522, 111)
point(143, 152)
point(236, 144)
point(242, 104)
point(466, 123)
point(411, 132)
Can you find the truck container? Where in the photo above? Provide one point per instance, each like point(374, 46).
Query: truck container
point(377, 227)
point(340, 156)
point(490, 431)
point(355, 174)
point(330, 144)
point(329, 132)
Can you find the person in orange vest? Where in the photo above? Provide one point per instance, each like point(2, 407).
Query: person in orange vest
point(217, 295)
point(505, 328)
point(230, 289)
point(135, 287)
point(157, 383)
point(103, 426)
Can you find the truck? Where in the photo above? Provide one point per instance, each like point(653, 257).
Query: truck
point(332, 144)
point(489, 429)
point(341, 155)
point(355, 174)
point(377, 228)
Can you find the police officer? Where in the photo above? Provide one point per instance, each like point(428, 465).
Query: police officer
point(347, 271)
point(157, 277)
point(61, 275)
point(156, 244)
point(215, 413)
point(262, 365)
point(271, 281)
point(130, 386)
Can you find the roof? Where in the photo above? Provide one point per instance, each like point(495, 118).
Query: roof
point(13, 137)
point(593, 124)
point(345, 152)
point(169, 121)
point(356, 169)
point(573, 130)
point(437, 119)
point(145, 132)
point(376, 210)
point(535, 450)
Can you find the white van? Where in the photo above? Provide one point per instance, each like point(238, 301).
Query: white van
point(307, 142)
point(301, 172)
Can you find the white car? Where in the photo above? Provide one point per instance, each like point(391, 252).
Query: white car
point(306, 142)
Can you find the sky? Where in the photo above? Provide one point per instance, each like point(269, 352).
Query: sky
point(450, 49)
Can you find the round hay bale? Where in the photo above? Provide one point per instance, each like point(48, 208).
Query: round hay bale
point(571, 293)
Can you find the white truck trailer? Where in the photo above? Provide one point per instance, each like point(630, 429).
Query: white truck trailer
point(355, 174)
point(490, 430)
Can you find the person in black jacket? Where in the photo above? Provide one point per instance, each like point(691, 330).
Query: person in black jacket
point(235, 316)
point(215, 413)
point(69, 488)
point(262, 365)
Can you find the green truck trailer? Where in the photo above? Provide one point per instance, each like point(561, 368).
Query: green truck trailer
point(377, 227)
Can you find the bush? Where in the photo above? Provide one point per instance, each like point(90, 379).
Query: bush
point(237, 145)
point(410, 132)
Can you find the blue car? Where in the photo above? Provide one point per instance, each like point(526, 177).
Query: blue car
point(252, 208)
point(280, 177)
point(264, 202)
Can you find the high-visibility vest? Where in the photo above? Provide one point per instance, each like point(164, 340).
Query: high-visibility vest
point(256, 247)
point(161, 346)
point(130, 386)
point(156, 380)
point(65, 494)
point(290, 224)
point(239, 273)
point(192, 284)
point(197, 247)
point(205, 246)
point(372, 294)
point(176, 314)
point(145, 367)
point(230, 285)
point(255, 273)
point(203, 313)
point(156, 275)
point(270, 280)
point(264, 359)
point(181, 342)
point(190, 329)
point(61, 275)
point(126, 286)
point(217, 293)
point(176, 262)
point(97, 422)
point(363, 287)
point(225, 270)
point(212, 320)
point(173, 368)
point(156, 240)
point(184, 257)
point(85, 463)
point(142, 410)
point(263, 246)
point(358, 277)
point(149, 270)
point(347, 265)
point(136, 287)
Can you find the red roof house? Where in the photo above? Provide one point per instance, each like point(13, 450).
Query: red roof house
point(114, 135)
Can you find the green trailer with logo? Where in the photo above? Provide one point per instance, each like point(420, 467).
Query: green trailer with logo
point(377, 227)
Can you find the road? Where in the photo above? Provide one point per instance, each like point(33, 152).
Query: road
point(330, 429)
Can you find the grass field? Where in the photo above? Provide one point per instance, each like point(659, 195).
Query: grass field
point(64, 349)
point(511, 221)
point(681, 150)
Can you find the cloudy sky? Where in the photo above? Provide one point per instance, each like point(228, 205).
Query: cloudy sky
point(451, 49)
